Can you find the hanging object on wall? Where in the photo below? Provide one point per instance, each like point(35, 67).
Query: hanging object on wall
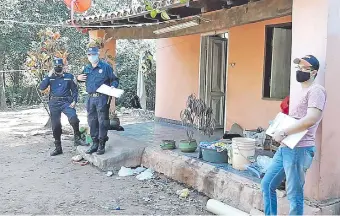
point(79, 6)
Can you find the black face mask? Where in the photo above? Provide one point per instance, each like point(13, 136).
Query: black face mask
point(58, 70)
point(302, 76)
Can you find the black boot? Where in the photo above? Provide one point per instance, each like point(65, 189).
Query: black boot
point(101, 148)
point(78, 141)
point(74, 121)
point(93, 148)
point(58, 150)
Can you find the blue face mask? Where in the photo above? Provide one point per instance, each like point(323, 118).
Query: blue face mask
point(93, 58)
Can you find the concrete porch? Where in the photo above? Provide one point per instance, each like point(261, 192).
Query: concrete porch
point(127, 147)
point(139, 145)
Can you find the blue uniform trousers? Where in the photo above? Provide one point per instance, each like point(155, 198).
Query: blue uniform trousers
point(98, 117)
point(58, 106)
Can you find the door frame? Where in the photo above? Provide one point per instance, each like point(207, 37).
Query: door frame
point(202, 70)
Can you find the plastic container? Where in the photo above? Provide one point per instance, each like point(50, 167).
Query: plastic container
point(264, 162)
point(212, 156)
point(243, 152)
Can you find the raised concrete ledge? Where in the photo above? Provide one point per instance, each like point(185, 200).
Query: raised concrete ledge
point(229, 188)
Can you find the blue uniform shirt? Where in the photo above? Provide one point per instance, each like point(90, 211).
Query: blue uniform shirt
point(61, 86)
point(101, 74)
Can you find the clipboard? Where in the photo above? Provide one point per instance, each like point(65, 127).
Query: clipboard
point(110, 91)
point(281, 122)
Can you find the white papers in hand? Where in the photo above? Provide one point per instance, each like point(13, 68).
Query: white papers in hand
point(110, 91)
point(281, 122)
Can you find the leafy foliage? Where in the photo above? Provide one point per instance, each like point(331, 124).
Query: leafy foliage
point(127, 69)
point(154, 11)
point(16, 42)
point(40, 58)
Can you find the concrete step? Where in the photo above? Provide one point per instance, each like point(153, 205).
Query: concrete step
point(120, 151)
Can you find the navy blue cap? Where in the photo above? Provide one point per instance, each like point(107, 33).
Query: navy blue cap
point(93, 50)
point(312, 60)
point(58, 61)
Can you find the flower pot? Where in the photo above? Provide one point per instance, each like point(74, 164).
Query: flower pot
point(188, 146)
point(168, 144)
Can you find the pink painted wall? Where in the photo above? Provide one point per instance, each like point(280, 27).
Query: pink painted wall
point(177, 74)
point(330, 165)
point(245, 105)
point(322, 181)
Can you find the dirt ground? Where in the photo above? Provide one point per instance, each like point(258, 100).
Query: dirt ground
point(32, 182)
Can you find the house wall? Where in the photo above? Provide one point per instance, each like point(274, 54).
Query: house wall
point(245, 105)
point(177, 74)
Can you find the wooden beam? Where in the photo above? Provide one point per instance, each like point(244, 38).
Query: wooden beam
point(216, 20)
point(184, 11)
point(172, 16)
point(147, 16)
point(197, 4)
point(132, 21)
point(207, 5)
point(142, 19)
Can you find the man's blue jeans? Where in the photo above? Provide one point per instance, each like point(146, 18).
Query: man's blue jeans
point(292, 164)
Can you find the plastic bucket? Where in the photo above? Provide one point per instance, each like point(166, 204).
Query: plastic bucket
point(243, 152)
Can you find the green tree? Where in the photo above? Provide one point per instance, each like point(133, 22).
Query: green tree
point(39, 61)
point(15, 39)
point(15, 43)
point(127, 61)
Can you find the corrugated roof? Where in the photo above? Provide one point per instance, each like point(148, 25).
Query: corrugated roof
point(136, 12)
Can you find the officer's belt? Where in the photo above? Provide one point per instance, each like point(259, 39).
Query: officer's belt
point(58, 98)
point(95, 94)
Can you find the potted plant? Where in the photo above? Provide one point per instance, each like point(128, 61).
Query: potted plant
point(196, 116)
point(168, 144)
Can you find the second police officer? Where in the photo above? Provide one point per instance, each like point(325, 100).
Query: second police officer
point(95, 74)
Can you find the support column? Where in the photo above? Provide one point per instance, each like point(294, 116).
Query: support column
point(316, 31)
point(110, 51)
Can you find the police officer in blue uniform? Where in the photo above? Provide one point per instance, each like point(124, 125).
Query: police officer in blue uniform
point(63, 98)
point(95, 74)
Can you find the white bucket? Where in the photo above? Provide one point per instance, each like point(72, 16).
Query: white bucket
point(243, 152)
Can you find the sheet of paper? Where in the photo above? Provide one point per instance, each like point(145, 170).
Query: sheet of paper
point(281, 122)
point(107, 90)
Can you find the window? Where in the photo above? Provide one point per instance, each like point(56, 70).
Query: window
point(223, 35)
point(277, 61)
